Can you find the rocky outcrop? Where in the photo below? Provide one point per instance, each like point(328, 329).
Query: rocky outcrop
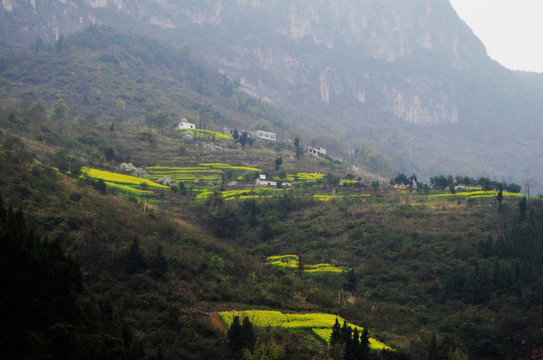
point(280, 47)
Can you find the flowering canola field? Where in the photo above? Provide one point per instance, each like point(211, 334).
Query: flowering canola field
point(479, 194)
point(123, 183)
point(206, 134)
point(290, 262)
point(319, 324)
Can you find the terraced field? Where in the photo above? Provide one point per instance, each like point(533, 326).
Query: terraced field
point(291, 262)
point(318, 324)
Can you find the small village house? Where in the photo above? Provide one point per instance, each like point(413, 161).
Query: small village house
point(185, 124)
point(265, 135)
point(316, 150)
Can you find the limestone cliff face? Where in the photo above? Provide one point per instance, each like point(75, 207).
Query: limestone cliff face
point(330, 52)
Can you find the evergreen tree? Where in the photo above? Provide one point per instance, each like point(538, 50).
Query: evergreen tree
point(522, 208)
point(159, 266)
point(266, 231)
point(335, 337)
point(278, 163)
point(350, 281)
point(248, 334)
point(352, 352)
point(235, 335)
point(299, 153)
point(236, 134)
point(364, 347)
point(135, 261)
point(433, 353)
point(243, 139)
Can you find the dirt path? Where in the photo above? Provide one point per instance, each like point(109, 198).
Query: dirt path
point(217, 322)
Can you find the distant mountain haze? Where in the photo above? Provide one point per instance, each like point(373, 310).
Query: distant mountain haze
point(406, 77)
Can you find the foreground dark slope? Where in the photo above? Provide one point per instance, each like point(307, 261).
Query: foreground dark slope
point(421, 266)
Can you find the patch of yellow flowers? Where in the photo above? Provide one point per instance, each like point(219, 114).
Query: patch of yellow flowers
point(319, 324)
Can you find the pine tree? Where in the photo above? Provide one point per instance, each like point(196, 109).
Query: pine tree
point(350, 281)
point(248, 335)
point(235, 335)
point(433, 351)
point(335, 337)
point(364, 347)
point(159, 266)
point(135, 260)
point(522, 208)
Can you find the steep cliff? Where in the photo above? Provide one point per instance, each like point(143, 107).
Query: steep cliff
point(318, 49)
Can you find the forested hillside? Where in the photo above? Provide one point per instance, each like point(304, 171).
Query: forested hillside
point(135, 239)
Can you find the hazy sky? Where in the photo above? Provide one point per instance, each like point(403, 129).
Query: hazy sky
point(512, 30)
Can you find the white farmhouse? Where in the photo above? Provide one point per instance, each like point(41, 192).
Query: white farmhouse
point(265, 135)
point(316, 150)
point(264, 183)
point(184, 124)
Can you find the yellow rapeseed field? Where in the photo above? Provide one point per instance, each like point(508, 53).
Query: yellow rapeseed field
point(320, 324)
point(120, 178)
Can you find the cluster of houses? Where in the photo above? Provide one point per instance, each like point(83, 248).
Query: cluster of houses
point(263, 182)
point(257, 134)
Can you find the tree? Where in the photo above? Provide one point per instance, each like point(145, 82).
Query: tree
point(236, 134)
point(299, 153)
point(400, 180)
point(216, 264)
point(266, 231)
point(60, 110)
point(159, 119)
point(296, 143)
point(235, 335)
point(364, 344)
point(215, 200)
point(350, 281)
point(278, 163)
point(243, 139)
point(159, 266)
point(375, 185)
point(248, 336)
point(335, 336)
point(300, 265)
point(38, 110)
point(522, 208)
point(135, 261)
point(513, 188)
point(500, 198)
point(121, 108)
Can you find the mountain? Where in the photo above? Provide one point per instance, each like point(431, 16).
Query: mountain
point(408, 78)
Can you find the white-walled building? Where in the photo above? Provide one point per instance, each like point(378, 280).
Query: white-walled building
point(265, 135)
point(184, 124)
point(316, 150)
